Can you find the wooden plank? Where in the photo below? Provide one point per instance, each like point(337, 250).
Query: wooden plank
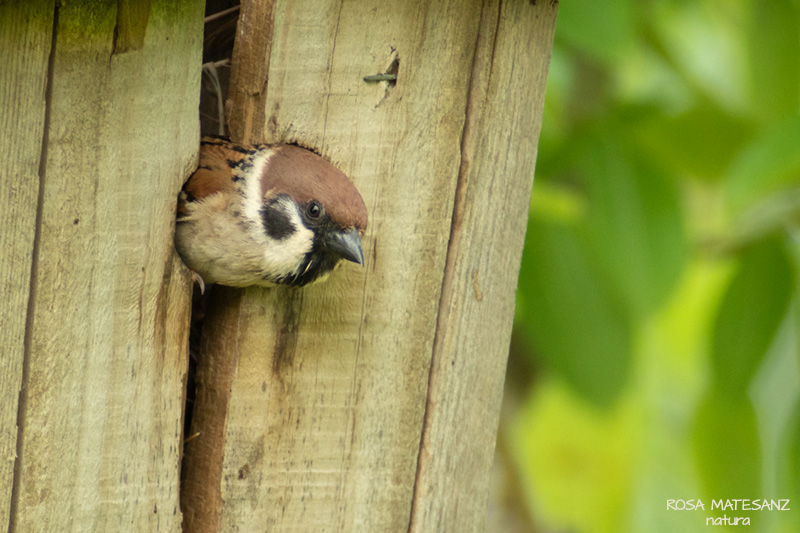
point(323, 420)
point(311, 403)
point(101, 412)
point(26, 30)
point(249, 71)
point(473, 334)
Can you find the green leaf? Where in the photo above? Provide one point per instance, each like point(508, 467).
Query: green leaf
point(749, 315)
point(774, 53)
point(727, 447)
point(577, 460)
point(703, 43)
point(577, 329)
point(701, 142)
point(770, 163)
point(604, 30)
point(790, 475)
point(634, 221)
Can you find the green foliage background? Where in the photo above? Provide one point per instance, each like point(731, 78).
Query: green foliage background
point(655, 354)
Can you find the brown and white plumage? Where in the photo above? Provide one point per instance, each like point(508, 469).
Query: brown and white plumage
point(267, 215)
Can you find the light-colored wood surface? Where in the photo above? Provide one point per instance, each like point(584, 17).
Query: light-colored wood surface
point(314, 403)
point(504, 117)
point(105, 362)
point(24, 49)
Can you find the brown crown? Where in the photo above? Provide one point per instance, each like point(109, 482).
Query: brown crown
point(305, 176)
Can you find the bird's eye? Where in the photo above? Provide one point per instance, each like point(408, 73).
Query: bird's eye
point(314, 210)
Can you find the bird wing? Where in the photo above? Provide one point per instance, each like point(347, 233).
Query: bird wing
point(215, 171)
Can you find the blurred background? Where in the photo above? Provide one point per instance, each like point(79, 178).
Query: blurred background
point(655, 352)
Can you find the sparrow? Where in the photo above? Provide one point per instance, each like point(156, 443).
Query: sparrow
point(271, 214)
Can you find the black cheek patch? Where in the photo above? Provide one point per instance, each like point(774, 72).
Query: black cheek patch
point(276, 222)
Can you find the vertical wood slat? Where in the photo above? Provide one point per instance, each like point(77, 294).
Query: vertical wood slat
point(102, 398)
point(252, 51)
point(351, 406)
point(26, 30)
point(504, 118)
point(328, 391)
point(318, 422)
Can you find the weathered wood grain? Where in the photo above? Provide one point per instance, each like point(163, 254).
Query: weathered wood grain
point(336, 407)
point(504, 117)
point(252, 52)
point(102, 400)
point(26, 29)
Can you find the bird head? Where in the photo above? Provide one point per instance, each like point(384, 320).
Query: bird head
point(267, 215)
point(312, 213)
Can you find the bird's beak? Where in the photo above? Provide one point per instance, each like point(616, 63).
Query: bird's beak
point(347, 244)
